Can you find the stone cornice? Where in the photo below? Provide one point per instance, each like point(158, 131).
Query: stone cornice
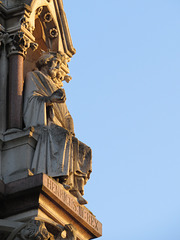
point(18, 10)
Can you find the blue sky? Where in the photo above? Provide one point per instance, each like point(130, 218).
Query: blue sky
point(125, 101)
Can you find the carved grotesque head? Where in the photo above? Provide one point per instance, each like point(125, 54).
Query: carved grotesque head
point(35, 230)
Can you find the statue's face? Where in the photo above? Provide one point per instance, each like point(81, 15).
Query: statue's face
point(55, 71)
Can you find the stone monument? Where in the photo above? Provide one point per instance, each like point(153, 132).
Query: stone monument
point(43, 166)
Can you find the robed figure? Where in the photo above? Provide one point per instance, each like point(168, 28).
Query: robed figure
point(58, 153)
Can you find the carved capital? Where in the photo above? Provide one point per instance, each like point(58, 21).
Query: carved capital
point(19, 44)
point(3, 38)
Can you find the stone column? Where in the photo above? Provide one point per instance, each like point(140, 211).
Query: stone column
point(15, 94)
point(3, 81)
point(17, 50)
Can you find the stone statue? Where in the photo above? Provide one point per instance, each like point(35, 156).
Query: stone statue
point(58, 153)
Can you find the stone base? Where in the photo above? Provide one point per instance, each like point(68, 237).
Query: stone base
point(16, 153)
point(39, 205)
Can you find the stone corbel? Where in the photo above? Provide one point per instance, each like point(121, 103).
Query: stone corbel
point(42, 230)
point(35, 230)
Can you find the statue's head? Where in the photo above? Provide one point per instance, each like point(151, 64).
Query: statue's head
point(55, 65)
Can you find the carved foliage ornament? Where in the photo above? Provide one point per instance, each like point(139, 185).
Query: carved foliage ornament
point(25, 23)
point(4, 38)
point(19, 43)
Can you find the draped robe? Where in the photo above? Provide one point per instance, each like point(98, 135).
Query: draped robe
point(58, 153)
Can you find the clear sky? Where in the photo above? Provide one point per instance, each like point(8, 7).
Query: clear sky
point(125, 101)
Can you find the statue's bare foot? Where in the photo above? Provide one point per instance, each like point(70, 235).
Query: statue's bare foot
point(80, 199)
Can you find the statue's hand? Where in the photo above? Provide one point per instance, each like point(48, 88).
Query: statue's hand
point(58, 96)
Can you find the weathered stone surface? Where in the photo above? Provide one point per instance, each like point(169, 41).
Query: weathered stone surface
point(52, 202)
point(36, 229)
point(21, 23)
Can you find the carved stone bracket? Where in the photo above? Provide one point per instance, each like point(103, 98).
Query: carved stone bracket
point(19, 44)
point(35, 230)
point(42, 230)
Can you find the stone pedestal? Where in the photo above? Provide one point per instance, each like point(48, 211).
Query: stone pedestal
point(16, 153)
point(38, 206)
